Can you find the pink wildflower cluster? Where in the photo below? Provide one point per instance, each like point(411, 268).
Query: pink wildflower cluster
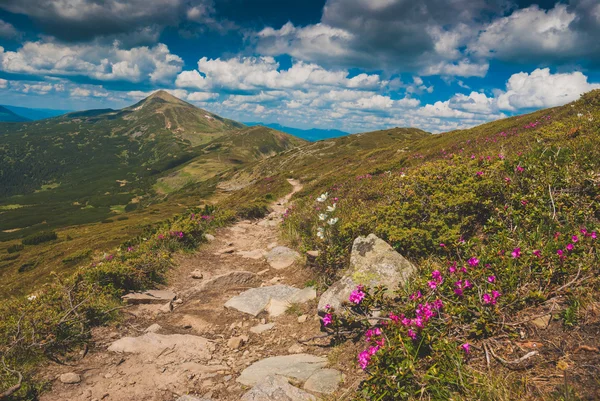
point(357, 295)
point(364, 177)
point(109, 257)
point(460, 286)
point(437, 279)
point(178, 234)
point(377, 341)
point(490, 298)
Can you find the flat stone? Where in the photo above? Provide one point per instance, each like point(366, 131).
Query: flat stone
point(324, 381)
point(255, 254)
point(255, 300)
point(281, 257)
point(209, 237)
point(231, 279)
point(183, 346)
point(150, 297)
point(153, 328)
point(227, 250)
point(261, 328)
point(166, 308)
point(70, 378)
point(372, 262)
point(302, 319)
point(542, 322)
point(296, 349)
point(297, 366)
point(276, 388)
point(304, 295)
point(197, 274)
point(277, 307)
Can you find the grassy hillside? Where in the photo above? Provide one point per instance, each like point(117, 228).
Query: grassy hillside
point(503, 221)
point(86, 166)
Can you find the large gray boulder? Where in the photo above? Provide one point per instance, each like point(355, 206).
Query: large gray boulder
point(372, 262)
point(276, 388)
point(297, 366)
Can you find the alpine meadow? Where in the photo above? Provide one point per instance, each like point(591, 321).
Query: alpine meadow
point(413, 213)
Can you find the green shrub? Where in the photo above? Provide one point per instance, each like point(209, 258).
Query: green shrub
point(15, 248)
point(253, 211)
point(25, 267)
point(38, 238)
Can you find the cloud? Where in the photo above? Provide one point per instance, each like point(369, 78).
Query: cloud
point(257, 73)
point(132, 21)
point(8, 31)
point(3, 83)
point(427, 37)
point(106, 63)
point(541, 89)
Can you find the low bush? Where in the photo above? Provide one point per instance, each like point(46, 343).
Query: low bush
point(77, 257)
point(15, 248)
point(38, 238)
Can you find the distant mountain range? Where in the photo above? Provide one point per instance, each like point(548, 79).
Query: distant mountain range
point(313, 134)
point(9, 116)
point(8, 113)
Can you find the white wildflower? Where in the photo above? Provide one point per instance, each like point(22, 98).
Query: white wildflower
point(321, 233)
point(402, 175)
point(331, 208)
point(323, 197)
point(31, 297)
point(579, 115)
point(331, 222)
point(322, 217)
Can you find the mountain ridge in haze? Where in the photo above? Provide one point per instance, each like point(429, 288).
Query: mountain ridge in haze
point(312, 134)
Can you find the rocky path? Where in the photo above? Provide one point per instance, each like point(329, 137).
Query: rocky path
point(225, 329)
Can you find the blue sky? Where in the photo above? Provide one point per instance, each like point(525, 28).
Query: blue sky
point(354, 65)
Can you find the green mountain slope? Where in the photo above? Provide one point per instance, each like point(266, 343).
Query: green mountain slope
point(84, 166)
point(10, 116)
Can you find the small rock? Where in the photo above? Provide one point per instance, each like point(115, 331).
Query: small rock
point(197, 274)
point(166, 308)
point(304, 295)
point(281, 257)
point(70, 378)
point(296, 349)
point(542, 322)
point(237, 342)
point(325, 381)
point(178, 301)
point(209, 237)
point(153, 328)
point(302, 319)
point(261, 328)
point(149, 297)
point(255, 300)
point(227, 250)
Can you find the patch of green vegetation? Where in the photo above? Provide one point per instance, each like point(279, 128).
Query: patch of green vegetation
point(77, 257)
point(15, 248)
point(11, 207)
point(38, 238)
point(118, 208)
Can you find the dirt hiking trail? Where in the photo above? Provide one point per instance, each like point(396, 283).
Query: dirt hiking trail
point(241, 299)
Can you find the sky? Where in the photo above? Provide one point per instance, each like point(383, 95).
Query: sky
point(354, 65)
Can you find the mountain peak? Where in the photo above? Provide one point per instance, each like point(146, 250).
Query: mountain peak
point(164, 96)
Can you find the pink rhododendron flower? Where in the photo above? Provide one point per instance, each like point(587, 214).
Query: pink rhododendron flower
point(473, 262)
point(437, 276)
point(491, 279)
point(394, 318)
point(570, 247)
point(583, 231)
point(363, 359)
point(520, 169)
point(432, 284)
point(575, 238)
point(507, 180)
point(466, 347)
point(594, 235)
point(516, 253)
point(411, 333)
point(479, 173)
point(327, 319)
point(415, 295)
point(537, 253)
point(560, 253)
point(442, 245)
point(357, 295)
